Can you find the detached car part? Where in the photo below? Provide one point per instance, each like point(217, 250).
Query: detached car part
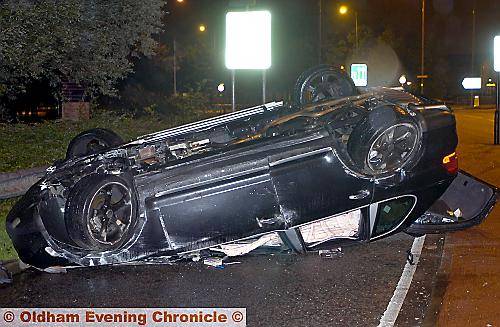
point(336, 166)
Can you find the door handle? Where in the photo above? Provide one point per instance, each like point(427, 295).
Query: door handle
point(363, 194)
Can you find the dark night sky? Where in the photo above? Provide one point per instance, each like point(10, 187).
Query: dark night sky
point(295, 24)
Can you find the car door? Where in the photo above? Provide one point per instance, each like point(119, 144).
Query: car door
point(219, 199)
point(312, 183)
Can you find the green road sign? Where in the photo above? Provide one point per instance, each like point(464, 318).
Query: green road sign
point(359, 74)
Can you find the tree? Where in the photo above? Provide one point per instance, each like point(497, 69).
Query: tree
point(89, 42)
point(340, 48)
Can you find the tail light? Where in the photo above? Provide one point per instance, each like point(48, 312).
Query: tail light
point(450, 162)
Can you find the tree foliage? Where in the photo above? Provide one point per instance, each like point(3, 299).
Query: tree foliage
point(90, 42)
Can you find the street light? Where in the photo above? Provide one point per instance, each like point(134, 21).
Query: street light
point(496, 65)
point(343, 10)
point(496, 53)
point(175, 59)
point(402, 80)
point(202, 28)
point(422, 50)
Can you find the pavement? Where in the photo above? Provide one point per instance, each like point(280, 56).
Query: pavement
point(470, 272)
point(457, 281)
point(17, 183)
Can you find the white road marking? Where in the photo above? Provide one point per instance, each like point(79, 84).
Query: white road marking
point(392, 311)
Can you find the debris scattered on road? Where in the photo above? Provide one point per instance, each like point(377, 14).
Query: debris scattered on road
point(409, 258)
point(9, 268)
point(218, 262)
point(330, 254)
point(431, 247)
point(56, 270)
point(214, 262)
point(5, 277)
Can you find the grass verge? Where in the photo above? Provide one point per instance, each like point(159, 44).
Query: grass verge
point(33, 145)
point(6, 249)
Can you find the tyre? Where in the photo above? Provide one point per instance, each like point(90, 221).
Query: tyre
point(101, 212)
point(385, 141)
point(92, 141)
point(322, 83)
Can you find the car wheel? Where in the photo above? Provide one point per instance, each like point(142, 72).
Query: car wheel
point(322, 83)
point(384, 141)
point(101, 212)
point(92, 141)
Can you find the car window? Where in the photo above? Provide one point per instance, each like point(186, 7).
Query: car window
point(391, 213)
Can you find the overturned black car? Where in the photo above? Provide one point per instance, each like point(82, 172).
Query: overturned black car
point(337, 165)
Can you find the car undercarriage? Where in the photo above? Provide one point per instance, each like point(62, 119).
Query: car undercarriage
point(336, 165)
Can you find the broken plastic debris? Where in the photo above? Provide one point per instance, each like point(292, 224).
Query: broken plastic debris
point(214, 262)
point(329, 254)
point(9, 268)
point(5, 277)
point(55, 270)
point(196, 257)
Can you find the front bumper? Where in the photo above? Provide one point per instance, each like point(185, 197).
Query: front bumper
point(24, 227)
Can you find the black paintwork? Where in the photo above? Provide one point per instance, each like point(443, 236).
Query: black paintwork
point(268, 168)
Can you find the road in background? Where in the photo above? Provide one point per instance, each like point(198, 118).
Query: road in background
point(476, 151)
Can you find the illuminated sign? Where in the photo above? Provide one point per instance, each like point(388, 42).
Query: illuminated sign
point(472, 83)
point(497, 53)
point(248, 40)
point(359, 74)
